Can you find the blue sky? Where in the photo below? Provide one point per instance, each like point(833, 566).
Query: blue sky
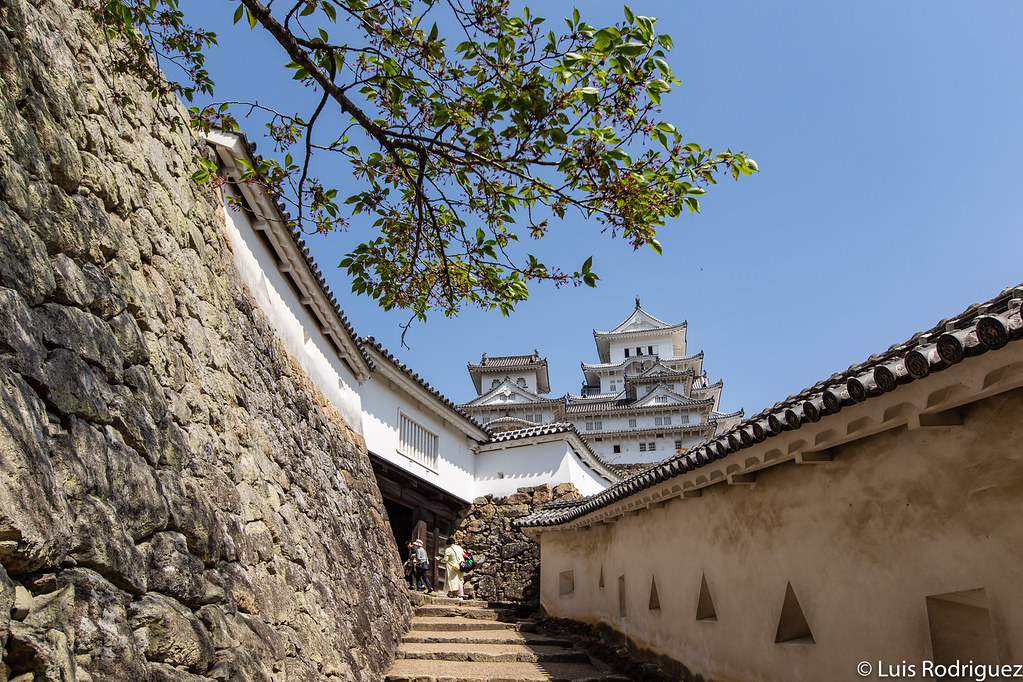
point(888, 137)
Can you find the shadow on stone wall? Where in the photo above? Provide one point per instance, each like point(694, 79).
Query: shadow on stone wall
point(177, 501)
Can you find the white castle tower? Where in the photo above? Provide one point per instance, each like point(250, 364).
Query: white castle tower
point(646, 398)
point(642, 402)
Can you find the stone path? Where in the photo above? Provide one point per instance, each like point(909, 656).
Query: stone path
point(471, 641)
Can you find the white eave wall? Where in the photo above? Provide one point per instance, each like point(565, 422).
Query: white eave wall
point(389, 396)
point(261, 271)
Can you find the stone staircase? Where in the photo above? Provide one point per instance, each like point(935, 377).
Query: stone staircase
point(472, 641)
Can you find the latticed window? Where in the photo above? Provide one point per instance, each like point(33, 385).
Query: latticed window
point(417, 442)
point(632, 423)
point(684, 419)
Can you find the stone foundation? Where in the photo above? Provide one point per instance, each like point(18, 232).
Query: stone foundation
point(509, 562)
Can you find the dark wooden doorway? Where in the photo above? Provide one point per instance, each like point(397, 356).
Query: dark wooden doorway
point(417, 510)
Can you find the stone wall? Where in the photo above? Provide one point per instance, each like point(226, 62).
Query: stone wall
point(509, 562)
point(177, 502)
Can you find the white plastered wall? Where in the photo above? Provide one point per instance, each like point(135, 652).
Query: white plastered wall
point(863, 539)
point(382, 402)
point(291, 320)
point(502, 472)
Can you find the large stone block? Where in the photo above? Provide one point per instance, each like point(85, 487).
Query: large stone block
point(20, 345)
point(34, 514)
point(76, 388)
point(24, 263)
point(103, 545)
point(43, 653)
point(168, 633)
point(104, 643)
point(84, 333)
point(172, 570)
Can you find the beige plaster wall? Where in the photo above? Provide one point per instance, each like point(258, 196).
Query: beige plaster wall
point(864, 540)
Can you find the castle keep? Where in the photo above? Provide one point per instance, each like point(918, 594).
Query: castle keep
point(644, 400)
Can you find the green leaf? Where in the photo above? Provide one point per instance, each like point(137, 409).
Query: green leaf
point(239, 13)
point(252, 19)
point(656, 246)
point(589, 95)
point(632, 49)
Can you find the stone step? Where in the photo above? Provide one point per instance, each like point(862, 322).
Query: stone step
point(459, 624)
point(454, 601)
point(491, 653)
point(476, 612)
point(483, 637)
point(413, 670)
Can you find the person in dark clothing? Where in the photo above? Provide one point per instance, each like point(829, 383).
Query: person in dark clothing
point(410, 565)
point(422, 566)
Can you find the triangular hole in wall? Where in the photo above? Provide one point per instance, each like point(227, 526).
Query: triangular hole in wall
point(792, 625)
point(655, 601)
point(601, 583)
point(705, 607)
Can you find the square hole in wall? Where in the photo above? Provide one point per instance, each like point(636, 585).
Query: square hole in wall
point(960, 625)
point(566, 583)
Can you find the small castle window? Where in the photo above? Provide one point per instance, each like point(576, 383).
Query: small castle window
point(684, 419)
point(617, 449)
point(632, 423)
point(626, 352)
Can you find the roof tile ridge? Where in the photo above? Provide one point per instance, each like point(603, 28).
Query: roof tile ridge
point(1003, 325)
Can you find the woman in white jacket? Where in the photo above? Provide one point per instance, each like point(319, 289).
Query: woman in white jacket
point(452, 559)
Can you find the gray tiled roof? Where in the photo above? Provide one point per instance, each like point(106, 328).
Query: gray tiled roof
point(530, 431)
point(626, 405)
point(980, 328)
point(503, 361)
